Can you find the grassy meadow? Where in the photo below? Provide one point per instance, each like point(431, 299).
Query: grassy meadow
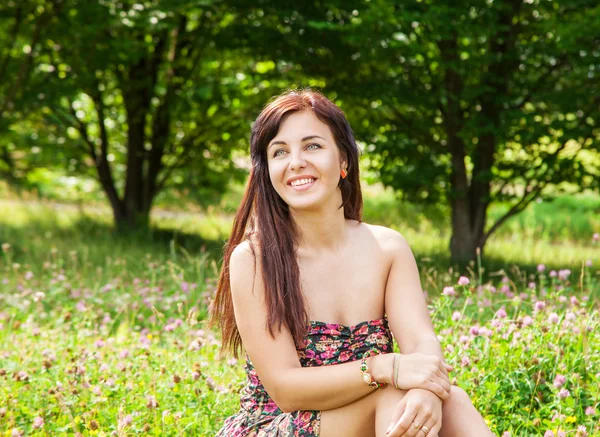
point(102, 335)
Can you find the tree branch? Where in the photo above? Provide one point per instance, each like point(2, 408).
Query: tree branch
point(82, 128)
point(181, 160)
point(539, 183)
point(539, 83)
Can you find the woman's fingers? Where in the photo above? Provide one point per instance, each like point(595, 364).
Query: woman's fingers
point(432, 427)
point(403, 424)
point(445, 385)
point(398, 411)
point(445, 368)
point(444, 376)
point(437, 390)
point(417, 424)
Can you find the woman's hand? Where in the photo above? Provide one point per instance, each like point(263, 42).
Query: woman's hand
point(418, 407)
point(424, 371)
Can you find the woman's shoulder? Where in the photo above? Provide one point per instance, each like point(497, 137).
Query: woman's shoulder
point(244, 267)
point(387, 238)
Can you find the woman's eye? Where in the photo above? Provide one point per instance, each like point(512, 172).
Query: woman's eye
point(276, 153)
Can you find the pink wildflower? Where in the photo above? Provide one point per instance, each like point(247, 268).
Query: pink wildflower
point(501, 313)
point(125, 421)
point(564, 274)
point(541, 268)
point(463, 280)
point(563, 393)
point(559, 381)
point(38, 422)
point(449, 291)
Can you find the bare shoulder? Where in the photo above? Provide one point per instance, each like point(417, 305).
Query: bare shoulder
point(389, 240)
point(244, 265)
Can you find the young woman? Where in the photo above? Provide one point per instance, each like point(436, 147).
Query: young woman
point(313, 296)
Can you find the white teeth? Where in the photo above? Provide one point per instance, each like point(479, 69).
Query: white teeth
point(301, 182)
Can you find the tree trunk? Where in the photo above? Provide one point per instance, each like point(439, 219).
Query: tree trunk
point(467, 229)
point(470, 199)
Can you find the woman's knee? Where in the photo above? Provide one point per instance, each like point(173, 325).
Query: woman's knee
point(458, 397)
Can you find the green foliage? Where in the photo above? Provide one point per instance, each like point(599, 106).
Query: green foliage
point(112, 335)
point(492, 102)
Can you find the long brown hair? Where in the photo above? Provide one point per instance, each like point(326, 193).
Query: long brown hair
point(263, 217)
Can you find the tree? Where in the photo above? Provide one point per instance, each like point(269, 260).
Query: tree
point(474, 102)
point(145, 99)
point(465, 103)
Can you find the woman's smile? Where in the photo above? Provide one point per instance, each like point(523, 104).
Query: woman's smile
point(303, 186)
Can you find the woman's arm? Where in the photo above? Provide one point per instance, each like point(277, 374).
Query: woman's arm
point(405, 303)
point(290, 385)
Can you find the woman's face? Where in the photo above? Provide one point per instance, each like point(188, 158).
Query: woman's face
point(304, 147)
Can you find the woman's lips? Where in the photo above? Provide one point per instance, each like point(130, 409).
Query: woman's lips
point(303, 187)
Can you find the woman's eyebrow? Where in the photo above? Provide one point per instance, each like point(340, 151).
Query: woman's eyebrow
point(310, 137)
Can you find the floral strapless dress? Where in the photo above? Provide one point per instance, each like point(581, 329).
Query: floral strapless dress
point(325, 344)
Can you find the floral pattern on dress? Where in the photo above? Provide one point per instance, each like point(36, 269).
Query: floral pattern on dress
point(325, 344)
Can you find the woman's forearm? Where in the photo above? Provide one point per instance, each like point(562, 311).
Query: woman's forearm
point(429, 345)
point(329, 387)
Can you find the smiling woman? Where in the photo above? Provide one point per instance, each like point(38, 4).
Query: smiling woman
point(315, 296)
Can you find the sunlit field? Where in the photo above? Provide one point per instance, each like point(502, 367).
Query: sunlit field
point(107, 336)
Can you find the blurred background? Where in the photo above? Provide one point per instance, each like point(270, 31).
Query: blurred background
point(124, 126)
point(124, 152)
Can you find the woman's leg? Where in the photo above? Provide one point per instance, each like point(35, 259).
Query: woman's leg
point(361, 417)
point(370, 416)
point(460, 418)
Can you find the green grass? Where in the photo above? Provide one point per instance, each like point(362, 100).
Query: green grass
point(107, 325)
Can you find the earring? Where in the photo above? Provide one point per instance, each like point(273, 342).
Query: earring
point(343, 173)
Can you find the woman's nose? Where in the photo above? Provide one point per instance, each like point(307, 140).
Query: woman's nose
point(297, 161)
